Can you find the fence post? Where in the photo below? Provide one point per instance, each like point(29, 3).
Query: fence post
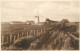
point(2, 39)
point(7, 39)
point(18, 36)
point(27, 33)
point(41, 31)
point(37, 32)
point(14, 38)
point(10, 38)
point(34, 32)
point(30, 33)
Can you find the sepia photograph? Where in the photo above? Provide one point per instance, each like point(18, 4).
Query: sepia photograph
point(40, 25)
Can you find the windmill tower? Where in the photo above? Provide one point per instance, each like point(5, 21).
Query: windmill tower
point(37, 16)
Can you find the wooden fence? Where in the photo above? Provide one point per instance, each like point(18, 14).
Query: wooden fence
point(10, 38)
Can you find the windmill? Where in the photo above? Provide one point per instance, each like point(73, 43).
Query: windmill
point(37, 16)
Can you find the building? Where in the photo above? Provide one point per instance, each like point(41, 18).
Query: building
point(30, 22)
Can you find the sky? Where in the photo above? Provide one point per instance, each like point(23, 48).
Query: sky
point(27, 10)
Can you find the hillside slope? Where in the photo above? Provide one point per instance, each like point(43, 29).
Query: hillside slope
point(60, 38)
